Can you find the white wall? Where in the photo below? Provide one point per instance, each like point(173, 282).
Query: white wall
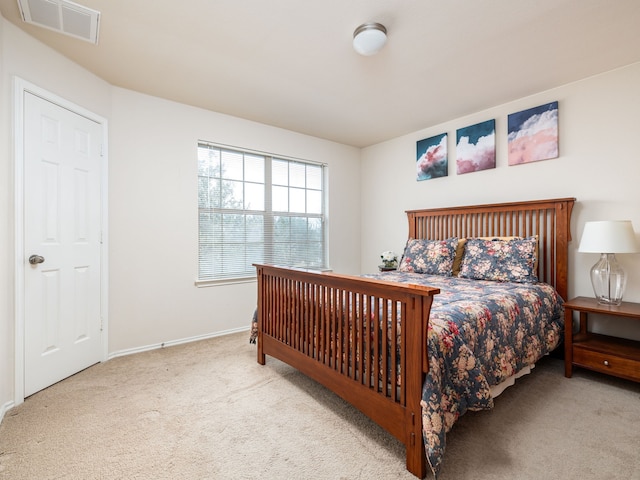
point(154, 223)
point(599, 165)
point(153, 203)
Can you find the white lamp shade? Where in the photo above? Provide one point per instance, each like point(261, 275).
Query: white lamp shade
point(610, 236)
point(368, 39)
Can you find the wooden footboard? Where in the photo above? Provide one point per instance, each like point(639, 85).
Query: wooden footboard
point(341, 331)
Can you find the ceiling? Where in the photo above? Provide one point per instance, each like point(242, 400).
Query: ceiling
point(290, 63)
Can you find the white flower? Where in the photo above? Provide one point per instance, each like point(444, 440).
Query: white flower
point(389, 259)
point(388, 256)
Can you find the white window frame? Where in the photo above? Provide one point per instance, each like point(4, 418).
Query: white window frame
point(269, 244)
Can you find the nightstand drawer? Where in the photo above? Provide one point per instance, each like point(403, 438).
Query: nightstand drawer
point(607, 363)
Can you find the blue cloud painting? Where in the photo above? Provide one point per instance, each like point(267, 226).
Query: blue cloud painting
point(432, 160)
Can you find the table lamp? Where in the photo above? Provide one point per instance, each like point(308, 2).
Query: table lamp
point(608, 238)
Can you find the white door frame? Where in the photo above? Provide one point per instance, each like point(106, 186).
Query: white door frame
point(20, 87)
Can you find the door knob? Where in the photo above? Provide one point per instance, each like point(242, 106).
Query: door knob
point(35, 259)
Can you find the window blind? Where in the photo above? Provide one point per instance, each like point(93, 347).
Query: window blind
point(257, 208)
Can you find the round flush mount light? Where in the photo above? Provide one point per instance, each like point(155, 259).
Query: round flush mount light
point(369, 38)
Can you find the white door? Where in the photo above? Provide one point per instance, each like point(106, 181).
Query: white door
point(62, 222)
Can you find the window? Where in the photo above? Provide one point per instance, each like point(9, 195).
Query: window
point(257, 208)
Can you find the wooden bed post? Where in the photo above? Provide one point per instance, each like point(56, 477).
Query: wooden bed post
point(260, 350)
point(563, 219)
point(417, 366)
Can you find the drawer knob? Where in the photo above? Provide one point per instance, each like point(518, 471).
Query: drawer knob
point(606, 363)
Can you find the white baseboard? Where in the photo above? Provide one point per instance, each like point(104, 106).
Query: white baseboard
point(4, 409)
point(171, 343)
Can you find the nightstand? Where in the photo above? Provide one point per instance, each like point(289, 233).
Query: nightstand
point(382, 268)
point(611, 355)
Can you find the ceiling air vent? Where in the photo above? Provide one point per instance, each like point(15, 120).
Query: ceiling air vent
point(62, 16)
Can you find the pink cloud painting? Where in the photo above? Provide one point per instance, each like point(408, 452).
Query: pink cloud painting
point(533, 134)
point(476, 147)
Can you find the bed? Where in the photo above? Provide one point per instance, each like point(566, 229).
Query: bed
point(414, 349)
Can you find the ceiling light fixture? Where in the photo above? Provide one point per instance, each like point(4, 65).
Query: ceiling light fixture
point(369, 38)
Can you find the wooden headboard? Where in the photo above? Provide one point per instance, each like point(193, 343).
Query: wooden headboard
point(548, 219)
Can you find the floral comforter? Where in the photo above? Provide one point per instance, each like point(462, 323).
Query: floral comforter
point(480, 333)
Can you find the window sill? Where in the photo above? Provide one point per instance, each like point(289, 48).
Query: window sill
point(237, 281)
point(228, 281)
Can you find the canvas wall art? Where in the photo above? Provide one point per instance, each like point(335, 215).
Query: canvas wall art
point(533, 134)
point(432, 160)
point(476, 147)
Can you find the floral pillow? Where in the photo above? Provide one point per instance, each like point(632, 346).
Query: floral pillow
point(433, 257)
point(501, 260)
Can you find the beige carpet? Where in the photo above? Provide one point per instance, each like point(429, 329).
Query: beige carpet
point(207, 410)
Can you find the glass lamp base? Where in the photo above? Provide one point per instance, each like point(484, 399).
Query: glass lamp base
point(609, 301)
point(608, 280)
